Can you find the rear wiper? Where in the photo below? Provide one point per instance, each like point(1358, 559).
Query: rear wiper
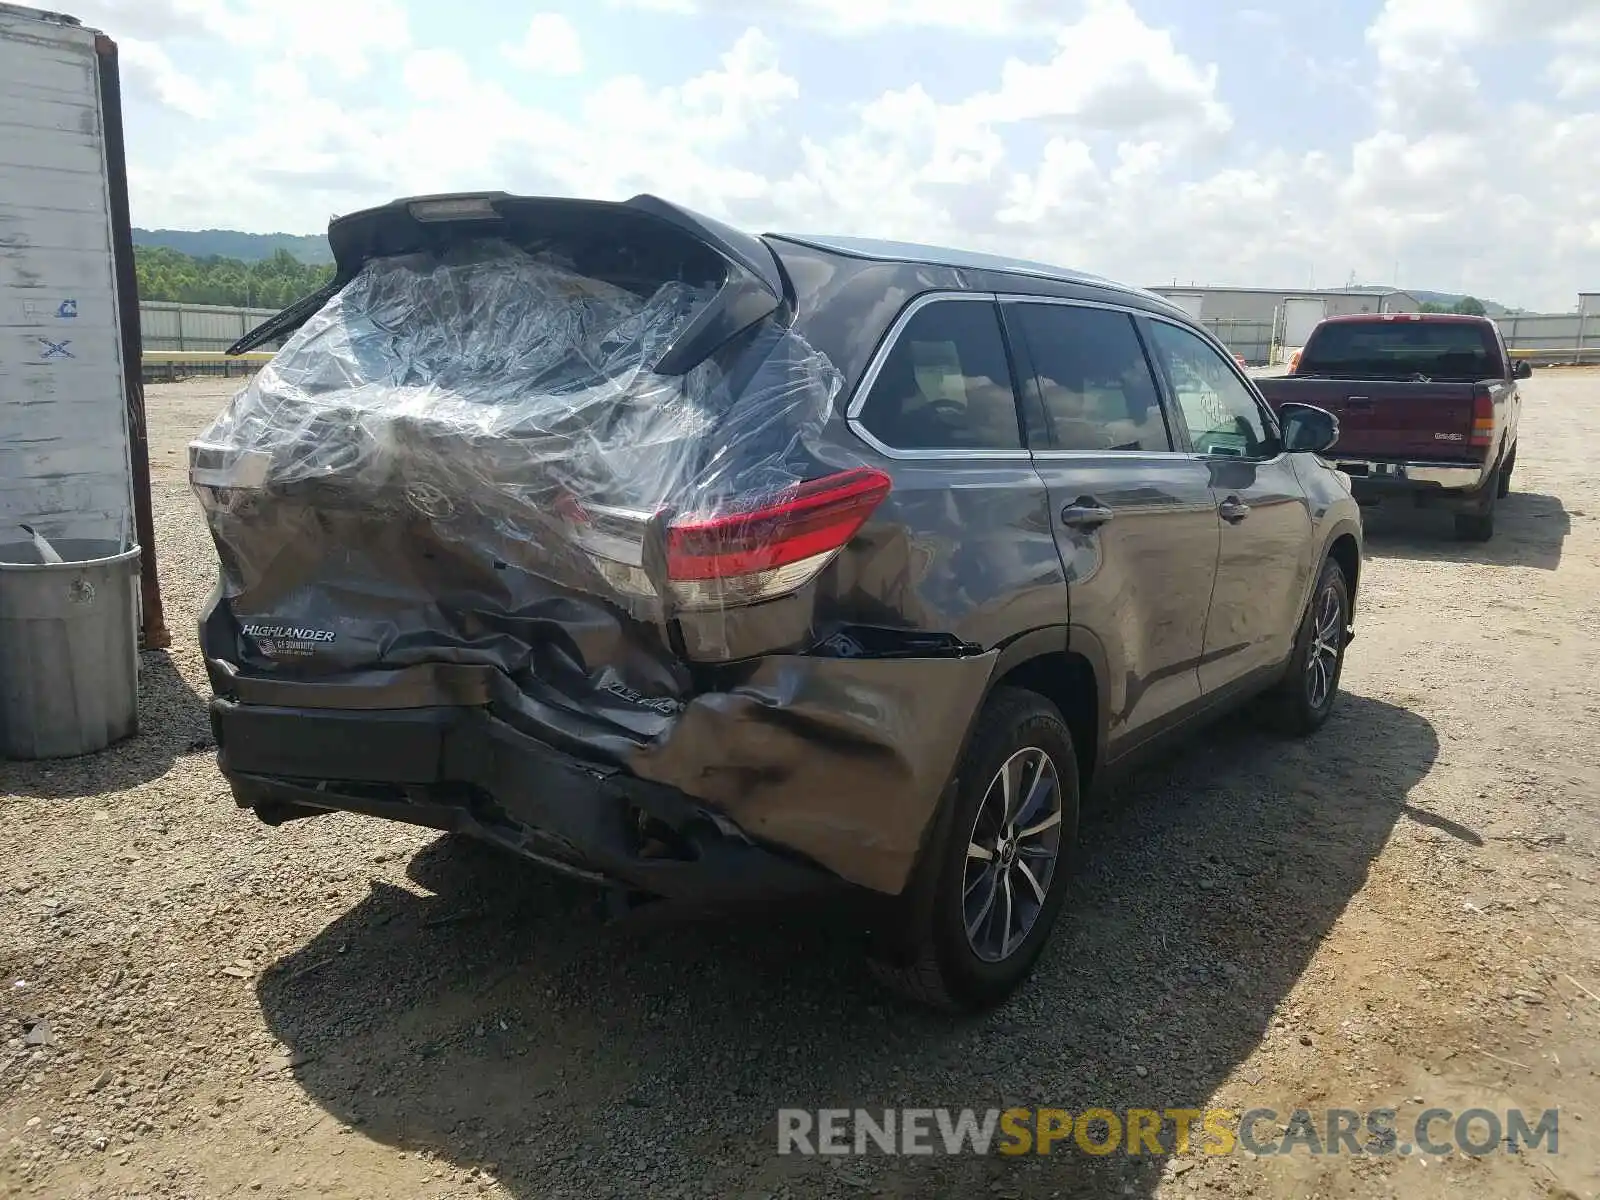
point(287, 321)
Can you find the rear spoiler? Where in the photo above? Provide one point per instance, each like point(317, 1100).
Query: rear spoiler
point(753, 287)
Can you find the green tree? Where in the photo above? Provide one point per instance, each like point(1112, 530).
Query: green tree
point(276, 282)
point(1469, 306)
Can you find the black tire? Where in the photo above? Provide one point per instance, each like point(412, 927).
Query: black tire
point(1502, 487)
point(938, 963)
point(1298, 706)
point(1477, 526)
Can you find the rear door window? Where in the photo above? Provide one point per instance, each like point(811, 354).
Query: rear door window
point(946, 383)
point(1094, 381)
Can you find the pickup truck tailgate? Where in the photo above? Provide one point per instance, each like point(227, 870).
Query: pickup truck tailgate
point(1380, 419)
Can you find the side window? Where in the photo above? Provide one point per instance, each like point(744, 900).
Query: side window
point(946, 384)
point(1223, 417)
point(1506, 364)
point(1093, 378)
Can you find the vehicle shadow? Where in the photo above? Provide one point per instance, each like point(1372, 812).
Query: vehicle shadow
point(1530, 531)
point(172, 722)
point(500, 1024)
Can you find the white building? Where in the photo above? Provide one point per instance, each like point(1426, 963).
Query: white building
point(1267, 324)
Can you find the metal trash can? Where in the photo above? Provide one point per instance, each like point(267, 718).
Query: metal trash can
point(69, 648)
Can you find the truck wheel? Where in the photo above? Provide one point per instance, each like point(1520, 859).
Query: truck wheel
point(1302, 702)
point(1003, 867)
point(1503, 480)
point(1479, 526)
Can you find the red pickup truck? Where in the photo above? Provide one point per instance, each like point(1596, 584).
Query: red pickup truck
point(1427, 406)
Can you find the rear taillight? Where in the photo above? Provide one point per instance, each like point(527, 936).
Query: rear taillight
point(769, 547)
point(1482, 418)
point(775, 546)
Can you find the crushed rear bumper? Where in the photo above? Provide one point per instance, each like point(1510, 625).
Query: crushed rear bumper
point(461, 769)
point(805, 773)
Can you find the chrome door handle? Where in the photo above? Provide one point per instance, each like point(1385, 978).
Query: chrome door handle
point(1233, 510)
point(1086, 514)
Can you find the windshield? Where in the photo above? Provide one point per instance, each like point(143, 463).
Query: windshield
point(1400, 350)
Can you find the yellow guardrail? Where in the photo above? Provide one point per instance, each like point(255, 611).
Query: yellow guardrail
point(205, 356)
point(1563, 356)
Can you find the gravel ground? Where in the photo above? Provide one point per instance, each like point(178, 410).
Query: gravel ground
point(1399, 912)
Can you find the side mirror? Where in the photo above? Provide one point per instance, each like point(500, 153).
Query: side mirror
point(1307, 429)
point(1522, 370)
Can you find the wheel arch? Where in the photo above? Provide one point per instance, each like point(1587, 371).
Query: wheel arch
point(1066, 665)
point(1344, 548)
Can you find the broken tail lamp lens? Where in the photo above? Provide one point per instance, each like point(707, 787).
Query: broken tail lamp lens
point(772, 548)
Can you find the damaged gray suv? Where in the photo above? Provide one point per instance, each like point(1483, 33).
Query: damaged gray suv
point(711, 567)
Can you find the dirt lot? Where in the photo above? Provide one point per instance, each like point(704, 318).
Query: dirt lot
point(1400, 912)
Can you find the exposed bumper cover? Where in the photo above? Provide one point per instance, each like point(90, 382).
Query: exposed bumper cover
point(815, 759)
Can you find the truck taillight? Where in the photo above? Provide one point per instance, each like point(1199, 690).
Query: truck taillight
point(1482, 418)
point(772, 548)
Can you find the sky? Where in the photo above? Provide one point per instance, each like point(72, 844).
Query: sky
point(1444, 144)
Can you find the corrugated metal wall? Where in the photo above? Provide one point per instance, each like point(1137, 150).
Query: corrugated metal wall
point(1251, 339)
point(1553, 337)
point(169, 326)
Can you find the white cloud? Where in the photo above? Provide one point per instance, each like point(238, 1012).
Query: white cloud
point(1437, 26)
point(1068, 182)
point(1576, 75)
point(437, 76)
point(1109, 71)
point(549, 46)
point(146, 65)
point(1109, 144)
point(852, 18)
point(344, 37)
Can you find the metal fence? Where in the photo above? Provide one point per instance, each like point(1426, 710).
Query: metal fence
point(1539, 337)
point(168, 326)
point(1552, 337)
point(1252, 340)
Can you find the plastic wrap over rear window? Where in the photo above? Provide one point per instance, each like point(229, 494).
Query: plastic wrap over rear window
point(507, 400)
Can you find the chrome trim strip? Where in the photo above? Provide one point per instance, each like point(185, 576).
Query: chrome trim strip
point(1072, 302)
point(1120, 456)
point(869, 377)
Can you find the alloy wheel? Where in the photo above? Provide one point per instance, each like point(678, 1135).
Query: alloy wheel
point(1327, 643)
point(1012, 854)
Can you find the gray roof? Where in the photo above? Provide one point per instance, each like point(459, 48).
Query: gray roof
point(943, 256)
point(1165, 288)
